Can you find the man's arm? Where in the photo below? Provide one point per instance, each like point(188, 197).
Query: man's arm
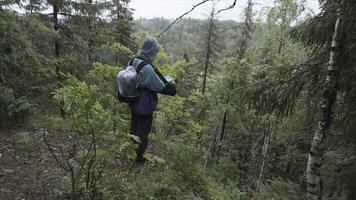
point(152, 79)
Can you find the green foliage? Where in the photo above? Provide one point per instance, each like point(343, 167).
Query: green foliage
point(6, 99)
point(27, 143)
point(187, 177)
point(278, 189)
point(93, 116)
point(121, 49)
point(103, 76)
point(263, 92)
point(88, 107)
point(20, 109)
point(154, 160)
point(58, 124)
point(182, 38)
point(11, 108)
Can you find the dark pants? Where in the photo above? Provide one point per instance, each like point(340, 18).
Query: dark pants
point(141, 127)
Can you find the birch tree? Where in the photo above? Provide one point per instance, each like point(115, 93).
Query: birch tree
point(314, 182)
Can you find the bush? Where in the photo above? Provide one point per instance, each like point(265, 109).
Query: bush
point(11, 108)
point(278, 189)
point(6, 99)
point(95, 121)
point(187, 180)
point(20, 109)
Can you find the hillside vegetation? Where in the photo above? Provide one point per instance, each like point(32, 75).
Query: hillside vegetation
point(265, 108)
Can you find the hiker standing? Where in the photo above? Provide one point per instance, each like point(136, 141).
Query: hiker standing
point(150, 82)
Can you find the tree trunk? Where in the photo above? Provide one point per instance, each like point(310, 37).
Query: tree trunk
point(224, 122)
point(314, 182)
point(214, 142)
point(266, 143)
point(208, 51)
point(56, 28)
point(246, 31)
point(90, 24)
point(57, 52)
point(222, 134)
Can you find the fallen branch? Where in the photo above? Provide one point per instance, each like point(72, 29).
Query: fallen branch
point(181, 17)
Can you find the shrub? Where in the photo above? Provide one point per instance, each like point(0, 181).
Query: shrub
point(11, 108)
point(186, 179)
point(278, 189)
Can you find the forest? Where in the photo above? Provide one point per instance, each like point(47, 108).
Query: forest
point(265, 107)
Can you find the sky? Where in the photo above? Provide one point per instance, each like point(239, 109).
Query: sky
point(172, 9)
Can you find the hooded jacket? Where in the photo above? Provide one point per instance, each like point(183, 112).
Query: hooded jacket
point(149, 82)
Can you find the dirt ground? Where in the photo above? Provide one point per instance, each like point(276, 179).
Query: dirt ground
point(27, 170)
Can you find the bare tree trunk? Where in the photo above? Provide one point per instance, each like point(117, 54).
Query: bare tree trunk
point(208, 51)
point(314, 182)
point(266, 143)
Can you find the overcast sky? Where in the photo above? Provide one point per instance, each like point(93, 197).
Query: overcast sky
point(174, 8)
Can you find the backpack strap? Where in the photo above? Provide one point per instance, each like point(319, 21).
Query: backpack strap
point(159, 74)
point(144, 63)
point(131, 62)
point(140, 66)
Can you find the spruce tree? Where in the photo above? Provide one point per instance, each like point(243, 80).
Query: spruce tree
point(210, 46)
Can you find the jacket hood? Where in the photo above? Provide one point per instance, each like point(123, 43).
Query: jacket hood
point(150, 48)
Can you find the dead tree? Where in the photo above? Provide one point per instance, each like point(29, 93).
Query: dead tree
point(211, 41)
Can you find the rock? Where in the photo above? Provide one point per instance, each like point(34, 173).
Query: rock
point(8, 171)
point(0, 155)
point(4, 190)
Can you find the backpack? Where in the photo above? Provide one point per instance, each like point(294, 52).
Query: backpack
point(127, 83)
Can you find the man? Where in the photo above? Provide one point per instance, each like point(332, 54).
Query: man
point(150, 82)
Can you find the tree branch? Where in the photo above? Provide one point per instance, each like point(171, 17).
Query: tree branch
point(228, 8)
point(51, 150)
point(181, 17)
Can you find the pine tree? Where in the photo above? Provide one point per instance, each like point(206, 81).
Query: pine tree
point(122, 22)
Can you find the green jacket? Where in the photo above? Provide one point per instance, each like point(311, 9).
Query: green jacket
point(147, 78)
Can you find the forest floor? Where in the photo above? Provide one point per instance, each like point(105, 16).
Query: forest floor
point(26, 172)
point(27, 169)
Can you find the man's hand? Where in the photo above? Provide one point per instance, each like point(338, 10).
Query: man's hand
point(170, 90)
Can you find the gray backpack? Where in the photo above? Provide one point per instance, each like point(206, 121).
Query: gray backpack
point(127, 83)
